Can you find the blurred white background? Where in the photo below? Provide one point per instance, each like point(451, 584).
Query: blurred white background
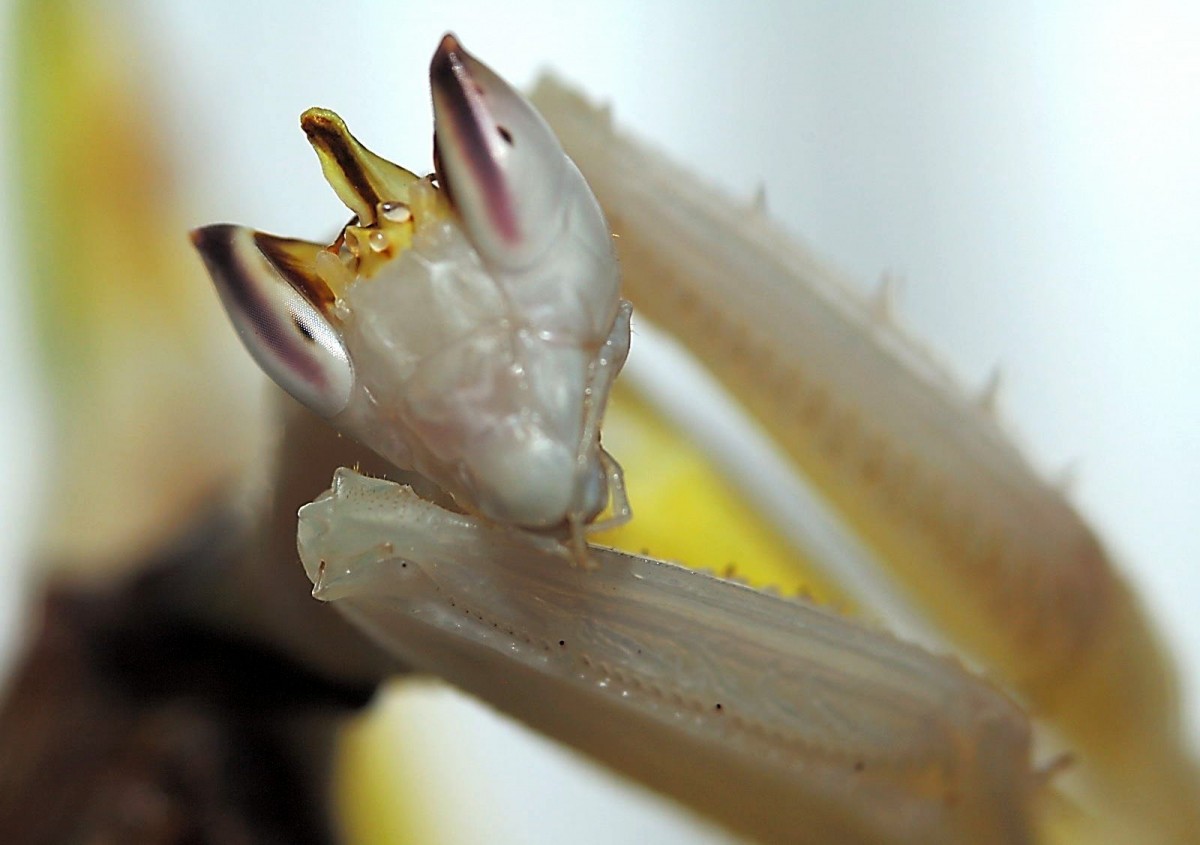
point(1031, 172)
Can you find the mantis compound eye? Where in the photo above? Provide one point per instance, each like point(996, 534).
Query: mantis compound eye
point(278, 305)
point(497, 158)
point(469, 330)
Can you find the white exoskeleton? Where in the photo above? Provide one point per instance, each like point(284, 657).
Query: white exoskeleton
point(467, 326)
point(782, 720)
point(471, 330)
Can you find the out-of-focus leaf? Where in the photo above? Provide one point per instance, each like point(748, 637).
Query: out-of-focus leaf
point(686, 511)
point(143, 378)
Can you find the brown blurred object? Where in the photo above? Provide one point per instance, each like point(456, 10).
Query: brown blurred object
point(129, 722)
point(197, 699)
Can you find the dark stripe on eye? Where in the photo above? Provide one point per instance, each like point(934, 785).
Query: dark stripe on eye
point(469, 118)
point(300, 274)
point(217, 247)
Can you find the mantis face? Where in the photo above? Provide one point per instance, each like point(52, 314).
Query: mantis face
point(467, 325)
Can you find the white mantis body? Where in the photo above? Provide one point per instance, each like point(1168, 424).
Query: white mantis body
point(475, 346)
point(478, 348)
point(780, 719)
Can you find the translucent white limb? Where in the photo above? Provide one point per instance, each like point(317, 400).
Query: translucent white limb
point(604, 369)
point(995, 555)
point(795, 724)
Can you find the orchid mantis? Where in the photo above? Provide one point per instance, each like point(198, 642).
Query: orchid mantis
point(469, 326)
point(481, 354)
